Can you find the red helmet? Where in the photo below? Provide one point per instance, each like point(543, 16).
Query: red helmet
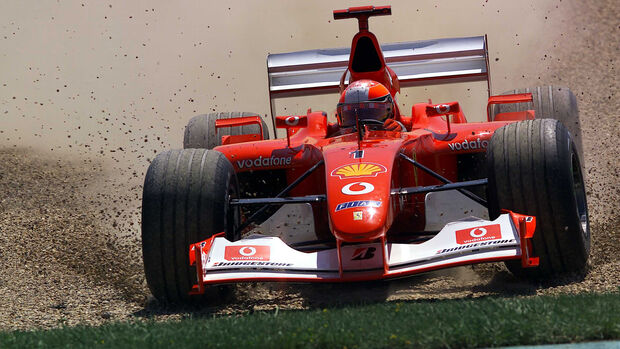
point(364, 99)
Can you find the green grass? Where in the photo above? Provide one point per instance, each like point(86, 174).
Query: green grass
point(438, 324)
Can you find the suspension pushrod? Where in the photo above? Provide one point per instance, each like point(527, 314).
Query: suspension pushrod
point(278, 201)
point(439, 187)
point(436, 175)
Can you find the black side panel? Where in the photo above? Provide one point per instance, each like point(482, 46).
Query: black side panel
point(261, 184)
point(469, 168)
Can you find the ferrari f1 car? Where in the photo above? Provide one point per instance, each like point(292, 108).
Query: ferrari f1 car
point(317, 206)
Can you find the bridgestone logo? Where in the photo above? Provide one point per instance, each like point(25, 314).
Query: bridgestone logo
point(263, 264)
point(264, 162)
point(477, 244)
point(468, 145)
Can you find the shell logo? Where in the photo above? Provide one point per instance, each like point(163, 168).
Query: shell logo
point(364, 169)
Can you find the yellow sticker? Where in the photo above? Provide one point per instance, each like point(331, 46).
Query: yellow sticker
point(358, 215)
point(364, 169)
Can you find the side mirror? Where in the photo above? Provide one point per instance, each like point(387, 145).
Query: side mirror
point(443, 109)
point(296, 121)
point(291, 123)
point(447, 109)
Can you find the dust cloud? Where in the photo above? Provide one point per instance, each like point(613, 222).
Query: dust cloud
point(118, 80)
point(92, 77)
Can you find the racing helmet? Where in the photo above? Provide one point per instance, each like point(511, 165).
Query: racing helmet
point(364, 99)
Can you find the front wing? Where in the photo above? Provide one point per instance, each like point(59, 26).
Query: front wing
point(261, 258)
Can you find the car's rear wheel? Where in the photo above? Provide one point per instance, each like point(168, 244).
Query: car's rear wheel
point(200, 131)
point(549, 102)
point(185, 200)
point(534, 169)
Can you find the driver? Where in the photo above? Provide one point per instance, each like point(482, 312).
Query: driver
point(365, 99)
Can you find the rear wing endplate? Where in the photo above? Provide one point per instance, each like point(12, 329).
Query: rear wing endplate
point(415, 63)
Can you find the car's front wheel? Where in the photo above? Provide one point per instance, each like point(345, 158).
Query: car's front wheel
point(534, 168)
point(185, 200)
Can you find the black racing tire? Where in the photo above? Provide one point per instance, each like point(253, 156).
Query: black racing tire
point(184, 201)
point(534, 169)
point(200, 130)
point(549, 102)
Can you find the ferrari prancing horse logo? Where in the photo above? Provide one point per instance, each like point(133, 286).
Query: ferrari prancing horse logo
point(358, 215)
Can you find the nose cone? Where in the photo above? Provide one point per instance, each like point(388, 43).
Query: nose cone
point(358, 201)
point(361, 219)
point(358, 178)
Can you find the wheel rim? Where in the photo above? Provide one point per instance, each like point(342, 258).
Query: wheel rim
point(580, 197)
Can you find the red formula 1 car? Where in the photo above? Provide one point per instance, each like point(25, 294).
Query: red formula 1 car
point(366, 203)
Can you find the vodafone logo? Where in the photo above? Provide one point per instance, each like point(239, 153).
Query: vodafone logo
point(247, 253)
point(292, 120)
point(467, 145)
point(358, 188)
point(476, 234)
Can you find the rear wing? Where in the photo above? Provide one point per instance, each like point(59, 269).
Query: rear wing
point(415, 63)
